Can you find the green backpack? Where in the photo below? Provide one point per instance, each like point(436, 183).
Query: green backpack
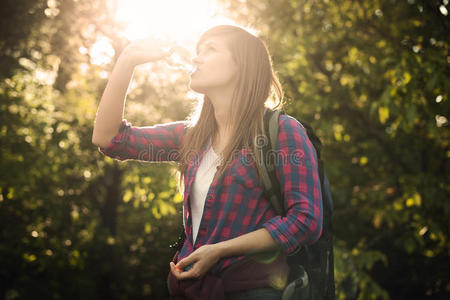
point(312, 266)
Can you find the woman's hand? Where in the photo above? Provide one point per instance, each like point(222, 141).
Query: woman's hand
point(146, 50)
point(203, 259)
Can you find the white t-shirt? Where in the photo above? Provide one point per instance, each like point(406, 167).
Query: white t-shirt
point(200, 187)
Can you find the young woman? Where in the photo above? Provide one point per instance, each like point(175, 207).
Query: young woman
point(228, 222)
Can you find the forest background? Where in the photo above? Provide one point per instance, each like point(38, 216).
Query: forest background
point(372, 77)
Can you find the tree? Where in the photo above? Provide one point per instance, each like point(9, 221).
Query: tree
point(73, 223)
point(371, 77)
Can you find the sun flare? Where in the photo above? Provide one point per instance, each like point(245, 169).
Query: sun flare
point(180, 20)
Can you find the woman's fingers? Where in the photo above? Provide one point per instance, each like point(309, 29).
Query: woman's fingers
point(178, 269)
point(193, 273)
point(174, 269)
point(148, 50)
point(185, 262)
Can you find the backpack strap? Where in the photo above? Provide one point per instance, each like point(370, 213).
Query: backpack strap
point(272, 190)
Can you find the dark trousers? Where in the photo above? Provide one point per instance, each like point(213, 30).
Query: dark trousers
point(255, 294)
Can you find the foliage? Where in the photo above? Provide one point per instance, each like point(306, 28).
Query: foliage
point(372, 78)
point(74, 223)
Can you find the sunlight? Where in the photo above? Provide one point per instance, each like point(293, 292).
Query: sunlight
point(179, 20)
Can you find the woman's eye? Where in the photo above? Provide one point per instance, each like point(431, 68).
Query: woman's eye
point(209, 49)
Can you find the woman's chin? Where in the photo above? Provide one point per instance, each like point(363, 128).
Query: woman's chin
point(196, 87)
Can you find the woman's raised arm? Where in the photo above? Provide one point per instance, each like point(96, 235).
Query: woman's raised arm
point(110, 110)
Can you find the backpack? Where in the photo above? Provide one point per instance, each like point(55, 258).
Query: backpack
point(312, 266)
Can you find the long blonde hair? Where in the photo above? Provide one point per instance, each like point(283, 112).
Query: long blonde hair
point(257, 87)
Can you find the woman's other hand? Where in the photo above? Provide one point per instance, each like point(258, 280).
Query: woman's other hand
point(203, 259)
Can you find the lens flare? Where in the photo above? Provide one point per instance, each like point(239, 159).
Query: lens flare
point(180, 20)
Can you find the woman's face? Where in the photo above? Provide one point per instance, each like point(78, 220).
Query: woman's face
point(215, 67)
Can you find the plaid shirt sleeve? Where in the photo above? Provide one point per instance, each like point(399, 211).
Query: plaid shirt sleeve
point(160, 142)
point(297, 172)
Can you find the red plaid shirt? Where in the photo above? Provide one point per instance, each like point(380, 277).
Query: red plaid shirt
point(235, 203)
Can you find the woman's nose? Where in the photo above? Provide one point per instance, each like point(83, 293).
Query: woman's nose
point(196, 60)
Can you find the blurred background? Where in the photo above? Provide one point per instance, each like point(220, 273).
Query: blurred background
point(372, 77)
